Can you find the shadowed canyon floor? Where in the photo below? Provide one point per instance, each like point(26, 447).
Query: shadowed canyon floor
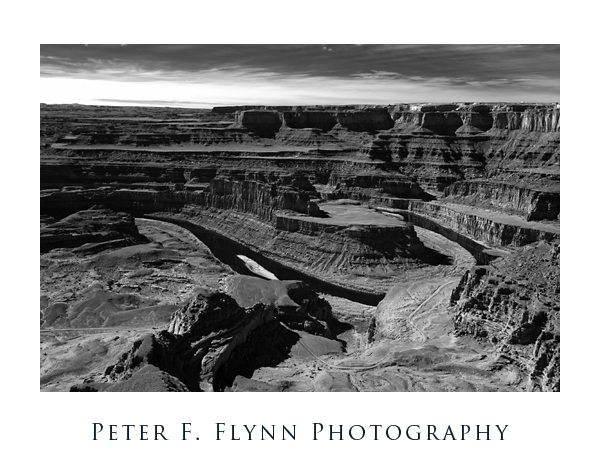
point(403, 248)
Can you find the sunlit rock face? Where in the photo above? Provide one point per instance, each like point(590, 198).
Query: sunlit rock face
point(416, 247)
point(446, 119)
point(483, 227)
point(530, 203)
point(515, 304)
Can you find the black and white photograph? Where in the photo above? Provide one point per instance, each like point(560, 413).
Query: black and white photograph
point(311, 233)
point(300, 218)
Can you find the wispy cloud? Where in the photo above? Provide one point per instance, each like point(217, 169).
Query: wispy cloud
point(300, 74)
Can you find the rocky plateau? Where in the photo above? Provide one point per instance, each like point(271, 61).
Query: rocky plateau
point(410, 247)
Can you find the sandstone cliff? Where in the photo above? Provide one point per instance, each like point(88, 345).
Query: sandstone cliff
point(280, 220)
point(514, 304)
point(491, 229)
point(342, 255)
point(267, 123)
point(259, 197)
point(445, 119)
point(431, 146)
point(530, 203)
point(371, 186)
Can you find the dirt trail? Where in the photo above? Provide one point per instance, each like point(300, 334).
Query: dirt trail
point(401, 314)
point(411, 317)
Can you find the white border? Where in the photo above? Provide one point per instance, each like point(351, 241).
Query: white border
point(55, 429)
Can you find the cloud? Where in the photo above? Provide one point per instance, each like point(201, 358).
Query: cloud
point(301, 74)
point(420, 60)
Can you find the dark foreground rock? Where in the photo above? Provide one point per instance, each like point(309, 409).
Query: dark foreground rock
point(295, 304)
point(212, 339)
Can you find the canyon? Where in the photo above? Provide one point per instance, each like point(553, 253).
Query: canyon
point(409, 247)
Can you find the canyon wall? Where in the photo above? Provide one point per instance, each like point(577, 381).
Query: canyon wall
point(300, 191)
point(501, 157)
point(260, 199)
point(440, 118)
point(163, 189)
point(268, 122)
point(313, 246)
point(446, 119)
point(420, 147)
point(514, 304)
point(477, 250)
point(530, 203)
point(352, 185)
point(492, 232)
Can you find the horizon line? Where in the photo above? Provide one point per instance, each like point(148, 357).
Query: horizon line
point(210, 106)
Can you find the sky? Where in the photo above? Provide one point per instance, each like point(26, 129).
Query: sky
point(204, 76)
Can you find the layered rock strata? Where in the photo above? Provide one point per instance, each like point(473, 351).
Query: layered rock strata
point(92, 230)
point(254, 183)
point(435, 161)
point(267, 123)
point(200, 136)
point(258, 198)
point(425, 159)
point(372, 187)
point(445, 119)
point(530, 203)
point(514, 304)
point(481, 253)
point(342, 256)
point(482, 226)
point(286, 222)
point(253, 197)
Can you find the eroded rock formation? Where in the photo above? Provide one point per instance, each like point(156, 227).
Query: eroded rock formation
point(531, 203)
point(492, 229)
point(92, 230)
point(295, 304)
point(213, 338)
point(347, 198)
point(514, 304)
